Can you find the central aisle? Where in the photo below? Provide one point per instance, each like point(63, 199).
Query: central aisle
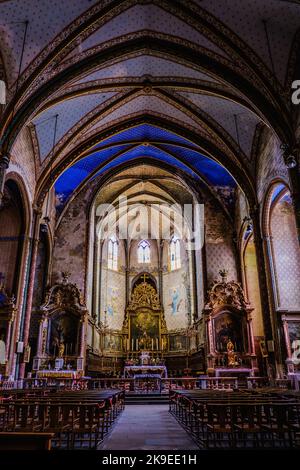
point(148, 427)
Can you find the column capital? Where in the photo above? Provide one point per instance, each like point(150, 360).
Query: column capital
point(4, 162)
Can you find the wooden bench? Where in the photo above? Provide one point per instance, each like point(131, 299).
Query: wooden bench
point(25, 441)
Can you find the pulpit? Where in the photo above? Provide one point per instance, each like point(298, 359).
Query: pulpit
point(230, 342)
point(62, 331)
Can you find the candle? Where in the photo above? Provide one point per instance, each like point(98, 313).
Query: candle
point(157, 344)
point(137, 344)
point(152, 343)
point(132, 345)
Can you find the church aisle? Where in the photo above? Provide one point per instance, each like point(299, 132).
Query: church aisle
point(148, 427)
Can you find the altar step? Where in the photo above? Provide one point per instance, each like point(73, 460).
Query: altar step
point(146, 399)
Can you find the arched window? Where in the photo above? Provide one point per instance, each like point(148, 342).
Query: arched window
point(175, 259)
point(112, 258)
point(144, 252)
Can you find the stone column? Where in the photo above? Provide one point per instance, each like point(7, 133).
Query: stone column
point(160, 271)
point(8, 340)
point(4, 162)
point(82, 345)
point(127, 270)
point(29, 299)
point(97, 263)
point(19, 304)
point(291, 160)
point(262, 275)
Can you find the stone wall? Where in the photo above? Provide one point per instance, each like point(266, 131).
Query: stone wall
point(219, 246)
point(23, 160)
point(270, 164)
point(286, 254)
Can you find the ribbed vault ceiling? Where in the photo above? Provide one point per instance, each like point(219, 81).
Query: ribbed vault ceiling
point(188, 84)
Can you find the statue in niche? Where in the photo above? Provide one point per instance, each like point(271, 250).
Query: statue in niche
point(145, 341)
point(61, 350)
point(231, 354)
point(2, 349)
point(64, 330)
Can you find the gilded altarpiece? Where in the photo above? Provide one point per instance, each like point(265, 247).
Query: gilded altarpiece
point(144, 325)
point(229, 334)
point(63, 329)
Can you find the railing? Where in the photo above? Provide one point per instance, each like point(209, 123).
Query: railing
point(131, 385)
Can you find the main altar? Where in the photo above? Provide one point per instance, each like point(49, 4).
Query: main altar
point(145, 333)
point(145, 367)
point(144, 327)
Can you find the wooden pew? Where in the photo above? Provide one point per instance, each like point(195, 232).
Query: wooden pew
point(25, 441)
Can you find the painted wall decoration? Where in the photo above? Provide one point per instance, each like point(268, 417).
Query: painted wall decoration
point(112, 300)
point(176, 300)
point(113, 295)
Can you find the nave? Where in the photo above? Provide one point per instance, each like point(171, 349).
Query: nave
point(149, 224)
point(148, 427)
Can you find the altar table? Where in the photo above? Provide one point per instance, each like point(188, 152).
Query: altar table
point(56, 374)
point(136, 371)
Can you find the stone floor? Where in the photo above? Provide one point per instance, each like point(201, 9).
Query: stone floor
point(148, 427)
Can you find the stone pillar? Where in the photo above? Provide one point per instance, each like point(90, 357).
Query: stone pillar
point(160, 271)
point(291, 160)
point(4, 162)
point(82, 345)
point(8, 340)
point(97, 266)
point(262, 275)
point(20, 303)
point(31, 280)
point(127, 270)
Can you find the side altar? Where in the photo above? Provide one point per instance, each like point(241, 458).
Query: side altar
point(62, 331)
point(230, 349)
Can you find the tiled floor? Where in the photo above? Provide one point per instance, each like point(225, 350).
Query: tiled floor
point(148, 427)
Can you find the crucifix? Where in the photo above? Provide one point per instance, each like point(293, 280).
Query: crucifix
point(145, 276)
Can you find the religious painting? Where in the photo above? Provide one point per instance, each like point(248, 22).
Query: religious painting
point(178, 343)
point(27, 353)
point(294, 335)
point(294, 331)
point(112, 300)
point(63, 335)
point(228, 327)
point(176, 301)
point(263, 348)
point(145, 329)
point(113, 342)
